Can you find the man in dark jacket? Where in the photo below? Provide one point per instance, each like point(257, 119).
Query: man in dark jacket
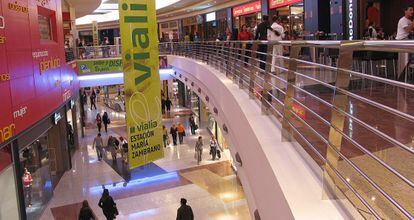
point(184, 212)
point(261, 34)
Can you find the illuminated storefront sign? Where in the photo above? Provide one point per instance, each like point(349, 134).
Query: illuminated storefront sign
point(247, 9)
point(351, 16)
point(141, 81)
point(281, 3)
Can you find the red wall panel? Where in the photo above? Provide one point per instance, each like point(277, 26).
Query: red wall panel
point(30, 94)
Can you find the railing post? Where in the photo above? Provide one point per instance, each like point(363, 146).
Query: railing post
point(217, 58)
point(291, 81)
point(242, 71)
point(340, 101)
point(252, 70)
point(267, 88)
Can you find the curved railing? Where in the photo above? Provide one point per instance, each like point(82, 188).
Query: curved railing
point(356, 125)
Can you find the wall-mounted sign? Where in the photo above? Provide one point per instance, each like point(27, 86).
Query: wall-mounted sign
point(16, 7)
point(4, 77)
point(20, 113)
point(49, 64)
point(351, 19)
point(281, 3)
point(56, 117)
point(38, 54)
point(246, 9)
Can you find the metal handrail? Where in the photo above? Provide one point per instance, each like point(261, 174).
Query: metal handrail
point(232, 56)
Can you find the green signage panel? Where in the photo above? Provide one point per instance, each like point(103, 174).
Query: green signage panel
point(99, 66)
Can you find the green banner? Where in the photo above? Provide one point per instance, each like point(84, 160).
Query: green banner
point(99, 66)
point(138, 24)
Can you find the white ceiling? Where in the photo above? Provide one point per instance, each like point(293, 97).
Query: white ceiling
point(84, 7)
point(108, 11)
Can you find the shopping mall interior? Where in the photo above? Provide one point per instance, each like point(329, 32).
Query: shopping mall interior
point(206, 109)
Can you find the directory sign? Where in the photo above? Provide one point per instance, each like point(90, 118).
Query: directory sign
point(141, 81)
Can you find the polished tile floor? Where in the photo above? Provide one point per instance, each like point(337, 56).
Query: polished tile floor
point(153, 191)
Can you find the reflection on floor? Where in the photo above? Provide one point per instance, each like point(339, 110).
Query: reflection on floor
point(153, 191)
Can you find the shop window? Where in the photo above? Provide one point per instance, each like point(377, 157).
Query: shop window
point(8, 201)
point(47, 24)
point(36, 177)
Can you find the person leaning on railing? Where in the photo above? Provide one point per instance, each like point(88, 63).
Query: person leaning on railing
point(404, 32)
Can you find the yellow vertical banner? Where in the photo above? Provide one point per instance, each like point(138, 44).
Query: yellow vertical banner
point(95, 33)
point(138, 24)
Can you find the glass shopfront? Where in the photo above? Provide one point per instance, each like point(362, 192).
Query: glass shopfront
point(8, 202)
point(247, 14)
point(216, 24)
point(36, 176)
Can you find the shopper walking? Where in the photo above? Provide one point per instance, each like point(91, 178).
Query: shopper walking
point(93, 99)
point(113, 147)
point(173, 132)
point(108, 206)
point(184, 212)
point(261, 34)
point(98, 121)
point(98, 143)
point(163, 101)
point(193, 125)
point(124, 149)
point(27, 186)
point(404, 30)
point(277, 33)
point(106, 121)
point(213, 147)
point(168, 104)
point(165, 139)
point(85, 212)
point(199, 149)
point(181, 132)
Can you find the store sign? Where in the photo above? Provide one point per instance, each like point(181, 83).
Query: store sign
point(49, 64)
point(281, 3)
point(99, 66)
point(7, 132)
point(247, 9)
point(299, 111)
point(351, 19)
point(39, 54)
point(142, 83)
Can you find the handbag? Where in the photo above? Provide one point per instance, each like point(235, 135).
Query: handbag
point(195, 127)
point(116, 212)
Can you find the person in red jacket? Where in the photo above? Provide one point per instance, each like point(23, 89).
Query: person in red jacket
point(27, 185)
point(245, 35)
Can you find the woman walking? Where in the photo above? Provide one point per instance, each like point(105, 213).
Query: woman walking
point(181, 132)
point(165, 138)
point(106, 121)
point(98, 121)
point(108, 206)
point(112, 146)
point(213, 147)
point(199, 149)
point(173, 132)
point(86, 212)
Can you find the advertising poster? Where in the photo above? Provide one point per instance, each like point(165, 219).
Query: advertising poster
point(99, 66)
point(142, 83)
